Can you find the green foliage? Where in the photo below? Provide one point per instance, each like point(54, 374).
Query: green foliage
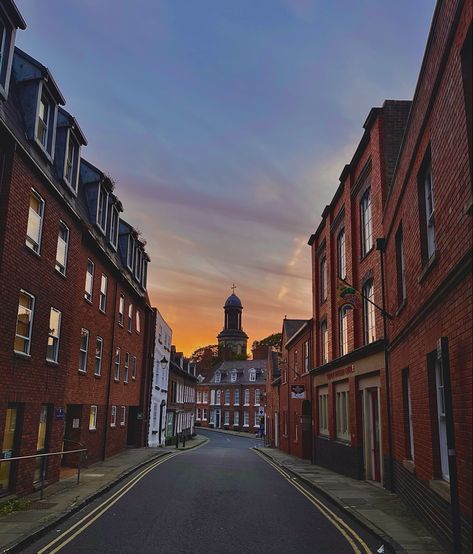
point(14, 505)
point(273, 340)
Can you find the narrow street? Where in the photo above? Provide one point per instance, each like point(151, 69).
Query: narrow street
point(219, 498)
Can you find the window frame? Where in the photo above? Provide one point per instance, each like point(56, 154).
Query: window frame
point(253, 375)
point(102, 197)
point(343, 338)
point(134, 368)
point(324, 341)
point(72, 182)
point(257, 397)
point(113, 240)
point(121, 310)
point(322, 401)
point(122, 416)
point(84, 354)
point(28, 337)
point(36, 246)
point(116, 364)
point(89, 296)
point(103, 293)
point(137, 321)
point(48, 145)
point(99, 372)
point(341, 254)
point(113, 416)
point(246, 397)
point(93, 411)
point(126, 367)
point(323, 278)
point(342, 412)
point(59, 267)
point(236, 397)
point(366, 219)
point(56, 338)
point(369, 312)
point(130, 318)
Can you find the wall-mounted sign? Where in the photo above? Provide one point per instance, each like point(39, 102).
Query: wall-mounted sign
point(59, 413)
point(76, 423)
point(298, 391)
point(340, 373)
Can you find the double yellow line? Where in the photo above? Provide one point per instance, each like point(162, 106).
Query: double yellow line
point(355, 541)
point(87, 520)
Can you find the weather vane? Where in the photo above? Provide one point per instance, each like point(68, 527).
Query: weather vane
point(233, 287)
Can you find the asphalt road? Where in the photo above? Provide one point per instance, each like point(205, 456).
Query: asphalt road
point(219, 498)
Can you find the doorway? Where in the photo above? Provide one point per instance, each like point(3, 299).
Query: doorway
point(306, 424)
point(132, 436)
point(72, 434)
point(217, 419)
point(41, 444)
point(372, 452)
point(276, 430)
point(9, 446)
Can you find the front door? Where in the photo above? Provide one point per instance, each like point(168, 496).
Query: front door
point(372, 434)
point(132, 433)
point(217, 419)
point(41, 461)
point(10, 440)
point(276, 430)
point(72, 434)
point(306, 426)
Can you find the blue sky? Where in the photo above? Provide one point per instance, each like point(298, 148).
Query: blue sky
point(226, 124)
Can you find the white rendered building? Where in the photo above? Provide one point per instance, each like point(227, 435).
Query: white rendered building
point(162, 355)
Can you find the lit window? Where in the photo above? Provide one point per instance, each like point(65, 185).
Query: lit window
point(343, 330)
point(121, 310)
point(113, 417)
point(103, 293)
point(54, 332)
point(102, 202)
point(341, 254)
point(44, 120)
point(93, 418)
point(35, 221)
point(369, 312)
point(84, 348)
point(24, 322)
point(123, 416)
point(114, 223)
point(130, 318)
point(62, 248)
point(127, 365)
point(324, 341)
point(366, 223)
point(89, 280)
point(98, 355)
point(138, 323)
point(117, 364)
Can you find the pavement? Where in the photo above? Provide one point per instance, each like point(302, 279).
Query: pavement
point(223, 498)
point(375, 508)
point(65, 497)
point(230, 432)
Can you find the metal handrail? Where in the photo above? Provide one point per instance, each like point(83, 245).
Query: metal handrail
point(43, 471)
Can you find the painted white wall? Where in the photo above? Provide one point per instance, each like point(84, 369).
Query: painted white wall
point(159, 388)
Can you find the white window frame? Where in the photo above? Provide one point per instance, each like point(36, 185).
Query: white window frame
point(56, 338)
point(113, 417)
point(343, 340)
point(322, 395)
point(88, 295)
point(324, 341)
point(130, 255)
point(31, 242)
point(126, 367)
point(45, 126)
point(218, 397)
point(116, 362)
point(366, 223)
point(226, 420)
point(134, 368)
point(130, 318)
point(218, 376)
point(138, 322)
point(257, 416)
point(369, 313)
point(323, 279)
point(102, 196)
point(442, 421)
point(83, 353)
point(121, 310)
point(341, 254)
point(205, 397)
point(93, 417)
point(204, 414)
point(227, 397)
point(252, 375)
point(257, 397)
point(59, 266)
point(247, 397)
point(246, 418)
point(74, 165)
point(212, 397)
point(429, 212)
point(198, 414)
point(236, 397)
point(30, 312)
point(236, 418)
point(113, 236)
point(103, 293)
point(233, 376)
point(98, 371)
point(122, 416)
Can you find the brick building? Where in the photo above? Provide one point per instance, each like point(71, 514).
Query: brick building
point(350, 413)
point(181, 397)
point(76, 344)
point(272, 403)
point(428, 231)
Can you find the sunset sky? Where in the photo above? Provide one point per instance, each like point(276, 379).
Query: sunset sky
point(226, 124)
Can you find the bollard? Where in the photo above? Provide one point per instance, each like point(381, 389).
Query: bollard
point(78, 467)
point(43, 476)
point(177, 441)
point(183, 439)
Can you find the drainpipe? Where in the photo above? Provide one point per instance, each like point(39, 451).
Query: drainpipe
point(381, 246)
point(109, 384)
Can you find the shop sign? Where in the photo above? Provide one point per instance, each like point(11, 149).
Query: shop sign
point(340, 373)
point(298, 391)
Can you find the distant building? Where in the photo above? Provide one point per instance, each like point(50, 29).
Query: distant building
point(232, 340)
point(159, 388)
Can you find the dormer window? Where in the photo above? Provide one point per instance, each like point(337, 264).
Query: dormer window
point(144, 275)
point(69, 169)
point(114, 223)
point(45, 122)
point(102, 202)
point(252, 374)
point(138, 263)
point(8, 25)
point(69, 139)
point(131, 252)
point(218, 376)
point(234, 375)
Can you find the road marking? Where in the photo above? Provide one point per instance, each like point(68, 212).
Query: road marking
point(350, 535)
point(103, 507)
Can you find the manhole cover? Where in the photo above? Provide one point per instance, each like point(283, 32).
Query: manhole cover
point(42, 505)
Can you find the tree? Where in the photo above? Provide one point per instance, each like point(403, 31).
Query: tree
point(273, 340)
point(204, 353)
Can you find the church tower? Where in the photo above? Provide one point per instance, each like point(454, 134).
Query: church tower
point(232, 337)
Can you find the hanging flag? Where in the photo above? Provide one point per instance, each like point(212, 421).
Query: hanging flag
point(347, 295)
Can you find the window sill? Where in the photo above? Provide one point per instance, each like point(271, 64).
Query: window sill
point(120, 325)
point(94, 430)
point(52, 363)
point(116, 380)
point(343, 442)
point(125, 382)
point(112, 425)
point(322, 436)
point(122, 425)
point(88, 300)
point(31, 251)
point(97, 375)
point(401, 307)
point(366, 254)
point(102, 311)
point(60, 273)
point(441, 487)
point(82, 371)
point(22, 355)
point(428, 267)
point(43, 150)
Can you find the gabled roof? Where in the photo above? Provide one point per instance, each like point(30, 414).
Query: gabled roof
point(72, 122)
point(14, 14)
point(291, 326)
point(298, 331)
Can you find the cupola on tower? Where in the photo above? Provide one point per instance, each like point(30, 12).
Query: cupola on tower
point(232, 337)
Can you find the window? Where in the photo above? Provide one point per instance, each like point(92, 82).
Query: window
point(138, 263)
point(6, 44)
point(227, 397)
point(130, 252)
point(233, 377)
point(323, 411)
point(102, 202)
point(246, 419)
point(121, 310)
point(114, 223)
point(204, 414)
point(257, 397)
point(205, 397)
point(71, 162)
point(247, 397)
point(369, 312)
point(323, 279)
point(342, 415)
point(24, 322)
point(52, 353)
point(218, 376)
point(236, 418)
point(409, 433)
point(123, 416)
point(199, 397)
point(324, 341)
point(144, 277)
point(305, 356)
point(35, 222)
point(429, 229)
point(84, 348)
point(252, 375)
point(296, 365)
point(218, 397)
point(113, 417)
point(198, 414)
point(61, 249)
point(138, 324)
point(212, 397)
point(89, 280)
point(103, 293)
point(366, 223)
point(127, 365)
point(134, 368)
point(236, 397)
point(44, 122)
point(227, 418)
point(98, 355)
point(93, 418)
point(442, 420)
point(257, 418)
point(130, 318)
point(400, 267)
point(341, 254)
point(343, 330)
point(117, 364)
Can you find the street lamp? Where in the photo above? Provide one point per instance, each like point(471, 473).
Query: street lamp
point(164, 362)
